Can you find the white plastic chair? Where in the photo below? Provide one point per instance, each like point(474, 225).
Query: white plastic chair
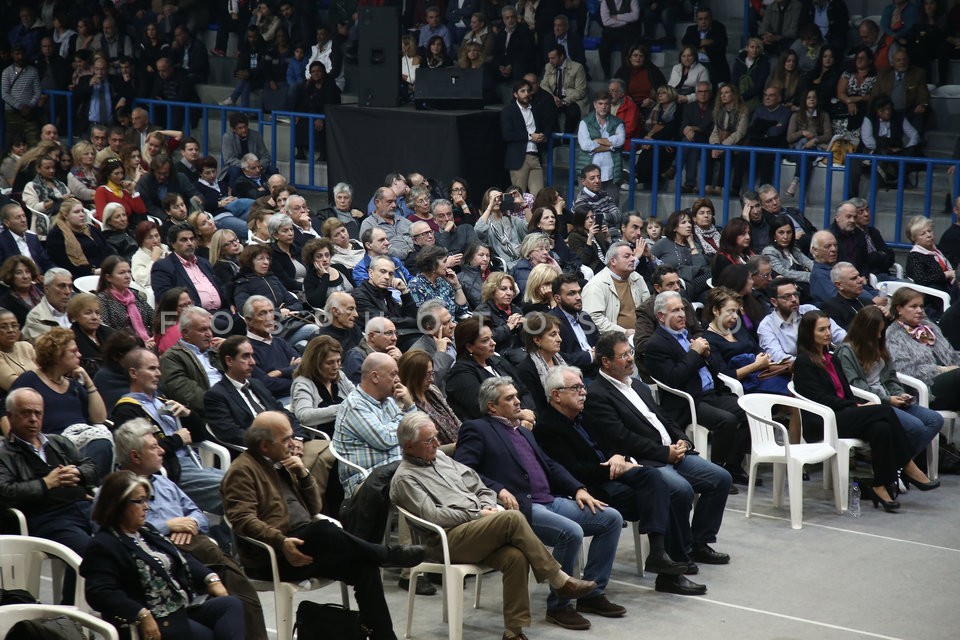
point(735, 386)
point(453, 577)
point(226, 445)
point(21, 558)
point(39, 223)
point(213, 455)
point(697, 433)
point(283, 592)
point(841, 445)
point(764, 447)
point(641, 546)
point(86, 284)
point(14, 613)
point(949, 417)
point(889, 286)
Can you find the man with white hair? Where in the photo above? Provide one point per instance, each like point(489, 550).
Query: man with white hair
point(379, 336)
point(375, 297)
point(850, 298)
point(250, 183)
point(192, 365)
point(51, 311)
point(276, 358)
point(341, 316)
point(437, 325)
point(825, 252)
point(613, 296)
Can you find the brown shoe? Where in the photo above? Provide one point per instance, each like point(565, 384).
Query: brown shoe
point(574, 589)
point(568, 618)
point(600, 606)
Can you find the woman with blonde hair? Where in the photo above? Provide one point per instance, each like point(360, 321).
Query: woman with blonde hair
point(504, 318)
point(346, 251)
point(731, 117)
point(204, 226)
point(538, 293)
point(82, 179)
point(535, 249)
point(73, 243)
point(410, 60)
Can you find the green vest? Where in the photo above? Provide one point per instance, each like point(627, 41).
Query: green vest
point(593, 129)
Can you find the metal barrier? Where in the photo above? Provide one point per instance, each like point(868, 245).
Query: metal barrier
point(763, 154)
point(66, 111)
point(151, 105)
point(292, 117)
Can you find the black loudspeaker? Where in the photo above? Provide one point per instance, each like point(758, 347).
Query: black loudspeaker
point(449, 88)
point(378, 72)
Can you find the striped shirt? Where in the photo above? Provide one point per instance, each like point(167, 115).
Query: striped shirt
point(20, 87)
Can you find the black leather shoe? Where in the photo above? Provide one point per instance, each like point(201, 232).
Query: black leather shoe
point(679, 585)
point(424, 587)
point(733, 490)
point(703, 554)
point(664, 565)
point(409, 555)
point(692, 569)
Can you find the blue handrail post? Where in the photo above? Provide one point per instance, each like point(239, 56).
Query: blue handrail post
point(572, 161)
point(548, 178)
point(727, 168)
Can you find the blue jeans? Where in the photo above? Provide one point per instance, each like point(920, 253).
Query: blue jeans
point(233, 223)
point(562, 525)
point(693, 475)
point(202, 485)
point(217, 619)
point(920, 424)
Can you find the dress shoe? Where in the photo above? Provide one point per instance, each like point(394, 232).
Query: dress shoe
point(733, 490)
point(574, 589)
point(600, 606)
point(703, 554)
point(691, 569)
point(567, 618)
point(679, 585)
point(662, 563)
point(406, 555)
point(741, 477)
point(424, 587)
point(516, 636)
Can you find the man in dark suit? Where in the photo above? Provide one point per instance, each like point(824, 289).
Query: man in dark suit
point(638, 492)
point(232, 403)
point(907, 87)
point(163, 179)
point(684, 364)
point(621, 416)
point(202, 285)
point(54, 71)
point(190, 55)
point(523, 134)
point(514, 49)
point(562, 36)
point(16, 240)
point(709, 38)
point(97, 96)
point(512, 464)
point(697, 125)
point(173, 85)
point(578, 334)
point(665, 278)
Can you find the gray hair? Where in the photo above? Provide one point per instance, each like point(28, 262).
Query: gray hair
point(54, 273)
point(660, 303)
point(836, 210)
point(859, 203)
point(129, 437)
point(187, 316)
point(377, 324)
point(612, 251)
point(439, 202)
point(755, 261)
point(507, 7)
point(11, 402)
point(374, 261)
point(247, 159)
point(257, 434)
point(277, 222)
point(617, 81)
point(534, 241)
point(409, 428)
point(915, 225)
point(342, 187)
point(764, 188)
point(555, 377)
point(335, 299)
point(818, 237)
point(252, 300)
point(838, 268)
point(427, 314)
point(490, 391)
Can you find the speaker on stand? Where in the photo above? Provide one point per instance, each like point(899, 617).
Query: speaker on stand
point(378, 71)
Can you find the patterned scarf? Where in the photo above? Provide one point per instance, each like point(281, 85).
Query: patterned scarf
point(921, 333)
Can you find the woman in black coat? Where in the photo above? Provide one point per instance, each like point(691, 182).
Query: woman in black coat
point(818, 378)
point(323, 277)
point(504, 317)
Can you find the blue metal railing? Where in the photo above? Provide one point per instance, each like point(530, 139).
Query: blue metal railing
point(311, 120)
point(190, 108)
point(66, 111)
point(764, 154)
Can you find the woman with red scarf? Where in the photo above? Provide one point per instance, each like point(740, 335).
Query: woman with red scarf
point(121, 306)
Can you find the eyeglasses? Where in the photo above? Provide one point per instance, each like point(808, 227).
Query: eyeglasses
point(457, 190)
point(433, 440)
point(234, 241)
point(576, 388)
point(386, 333)
point(428, 232)
point(763, 276)
point(789, 296)
point(626, 354)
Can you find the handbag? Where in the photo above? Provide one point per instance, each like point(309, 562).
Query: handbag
point(316, 620)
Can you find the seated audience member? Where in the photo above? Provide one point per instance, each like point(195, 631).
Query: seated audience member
point(587, 242)
point(340, 314)
point(241, 140)
point(175, 427)
point(709, 37)
point(880, 257)
point(949, 243)
point(817, 377)
point(17, 240)
point(443, 491)
point(917, 345)
point(289, 270)
point(152, 595)
point(749, 280)
point(886, 132)
point(823, 250)
point(231, 404)
point(637, 491)
point(365, 432)
point(175, 209)
point(174, 515)
point(166, 319)
point(417, 374)
point(122, 306)
point(204, 226)
point(183, 268)
point(437, 325)
point(451, 236)
point(303, 231)
point(437, 280)
point(663, 123)
point(380, 336)
point(684, 363)
point(778, 331)
point(342, 210)
point(16, 356)
point(850, 298)
point(851, 239)
point(498, 310)
point(696, 126)
point(376, 244)
point(541, 337)
point(768, 128)
point(809, 129)
point(474, 271)
point(493, 446)
point(926, 264)
point(319, 385)
point(679, 249)
point(114, 187)
point(21, 294)
point(275, 357)
point(736, 245)
point(51, 310)
point(500, 230)
point(112, 379)
point(89, 331)
point(906, 85)
point(323, 277)
point(771, 204)
point(73, 404)
point(225, 250)
point(216, 194)
point(162, 180)
point(538, 292)
point(867, 365)
point(785, 256)
point(374, 297)
point(781, 25)
point(613, 296)
point(253, 498)
point(395, 227)
point(61, 512)
point(45, 192)
point(75, 244)
point(731, 117)
point(578, 334)
point(116, 231)
point(535, 249)
point(257, 224)
point(665, 278)
point(191, 365)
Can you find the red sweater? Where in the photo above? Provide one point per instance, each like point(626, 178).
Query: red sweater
point(104, 196)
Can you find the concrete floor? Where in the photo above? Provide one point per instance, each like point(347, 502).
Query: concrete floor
point(880, 576)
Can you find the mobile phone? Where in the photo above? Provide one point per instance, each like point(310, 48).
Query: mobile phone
point(598, 219)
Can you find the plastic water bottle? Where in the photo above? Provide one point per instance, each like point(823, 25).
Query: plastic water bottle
point(853, 506)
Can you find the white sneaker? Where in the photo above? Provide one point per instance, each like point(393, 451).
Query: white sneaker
point(226, 102)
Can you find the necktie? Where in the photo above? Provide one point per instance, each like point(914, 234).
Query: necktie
point(558, 90)
point(897, 95)
point(102, 115)
point(246, 391)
